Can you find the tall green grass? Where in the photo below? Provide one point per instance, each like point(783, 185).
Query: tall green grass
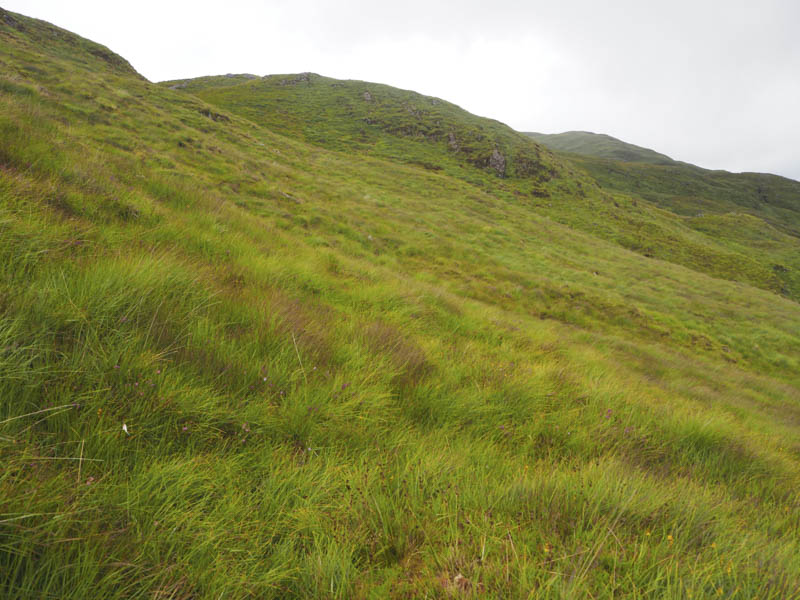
point(353, 378)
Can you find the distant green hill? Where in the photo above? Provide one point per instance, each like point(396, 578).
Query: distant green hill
point(677, 186)
point(275, 338)
point(378, 120)
point(689, 190)
point(601, 146)
point(754, 213)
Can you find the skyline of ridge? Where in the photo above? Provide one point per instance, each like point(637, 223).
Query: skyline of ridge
point(713, 85)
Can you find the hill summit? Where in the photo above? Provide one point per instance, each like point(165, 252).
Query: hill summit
point(375, 119)
point(600, 145)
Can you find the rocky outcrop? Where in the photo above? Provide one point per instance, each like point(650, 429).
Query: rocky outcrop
point(214, 116)
point(452, 141)
point(11, 21)
point(302, 78)
point(498, 162)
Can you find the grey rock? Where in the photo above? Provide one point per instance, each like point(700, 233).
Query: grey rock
point(452, 141)
point(301, 78)
point(498, 162)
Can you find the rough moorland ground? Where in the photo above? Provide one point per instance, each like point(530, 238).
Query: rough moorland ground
point(346, 375)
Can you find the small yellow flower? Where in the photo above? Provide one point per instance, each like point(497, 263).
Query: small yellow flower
point(713, 545)
point(669, 539)
point(719, 591)
point(647, 533)
point(547, 548)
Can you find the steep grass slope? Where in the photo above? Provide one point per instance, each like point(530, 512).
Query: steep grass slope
point(756, 214)
point(379, 121)
point(600, 145)
point(348, 377)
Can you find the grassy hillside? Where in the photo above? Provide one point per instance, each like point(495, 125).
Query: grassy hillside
point(689, 190)
point(380, 121)
point(347, 376)
point(600, 145)
point(406, 127)
point(754, 214)
point(680, 187)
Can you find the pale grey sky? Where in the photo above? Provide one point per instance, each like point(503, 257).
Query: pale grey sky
point(711, 82)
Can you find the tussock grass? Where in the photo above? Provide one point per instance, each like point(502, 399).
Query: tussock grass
point(355, 378)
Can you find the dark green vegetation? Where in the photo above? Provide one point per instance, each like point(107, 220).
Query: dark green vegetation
point(600, 145)
point(368, 368)
point(753, 214)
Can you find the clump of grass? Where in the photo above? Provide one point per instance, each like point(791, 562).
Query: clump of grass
point(406, 356)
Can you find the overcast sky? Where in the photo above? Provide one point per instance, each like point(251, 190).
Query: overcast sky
point(711, 82)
